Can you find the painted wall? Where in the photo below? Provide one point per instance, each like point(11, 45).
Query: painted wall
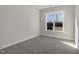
point(77, 25)
point(17, 23)
point(68, 22)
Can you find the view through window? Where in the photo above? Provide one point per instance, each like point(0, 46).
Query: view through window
point(54, 21)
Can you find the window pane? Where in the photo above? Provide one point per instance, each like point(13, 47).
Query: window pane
point(50, 19)
point(49, 25)
point(59, 22)
point(60, 17)
point(58, 26)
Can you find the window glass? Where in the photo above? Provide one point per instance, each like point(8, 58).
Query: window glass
point(51, 17)
point(55, 21)
point(60, 17)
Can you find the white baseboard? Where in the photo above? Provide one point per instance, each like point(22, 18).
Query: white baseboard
point(62, 37)
point(10, 44)
point(77, 51)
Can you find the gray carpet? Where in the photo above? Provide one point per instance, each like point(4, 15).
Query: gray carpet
point(41, 45)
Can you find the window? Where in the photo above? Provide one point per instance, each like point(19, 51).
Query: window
point(54, 21)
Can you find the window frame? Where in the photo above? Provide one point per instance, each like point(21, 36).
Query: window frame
point(54, 21)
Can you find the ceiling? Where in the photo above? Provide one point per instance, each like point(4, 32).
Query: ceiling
point(39, 7)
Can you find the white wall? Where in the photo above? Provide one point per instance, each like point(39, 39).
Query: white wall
point(17, 23)
point(77, 25)
point(68, 22)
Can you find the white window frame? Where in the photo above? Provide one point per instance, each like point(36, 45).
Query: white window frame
point(53, 22)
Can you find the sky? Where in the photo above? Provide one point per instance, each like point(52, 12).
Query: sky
point(55, 17)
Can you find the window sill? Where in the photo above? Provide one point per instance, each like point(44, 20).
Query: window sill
point(55, 31)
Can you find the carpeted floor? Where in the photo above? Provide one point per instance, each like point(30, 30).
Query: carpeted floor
point(42, 45)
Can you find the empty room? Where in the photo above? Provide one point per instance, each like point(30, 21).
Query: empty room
point(39, 29)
